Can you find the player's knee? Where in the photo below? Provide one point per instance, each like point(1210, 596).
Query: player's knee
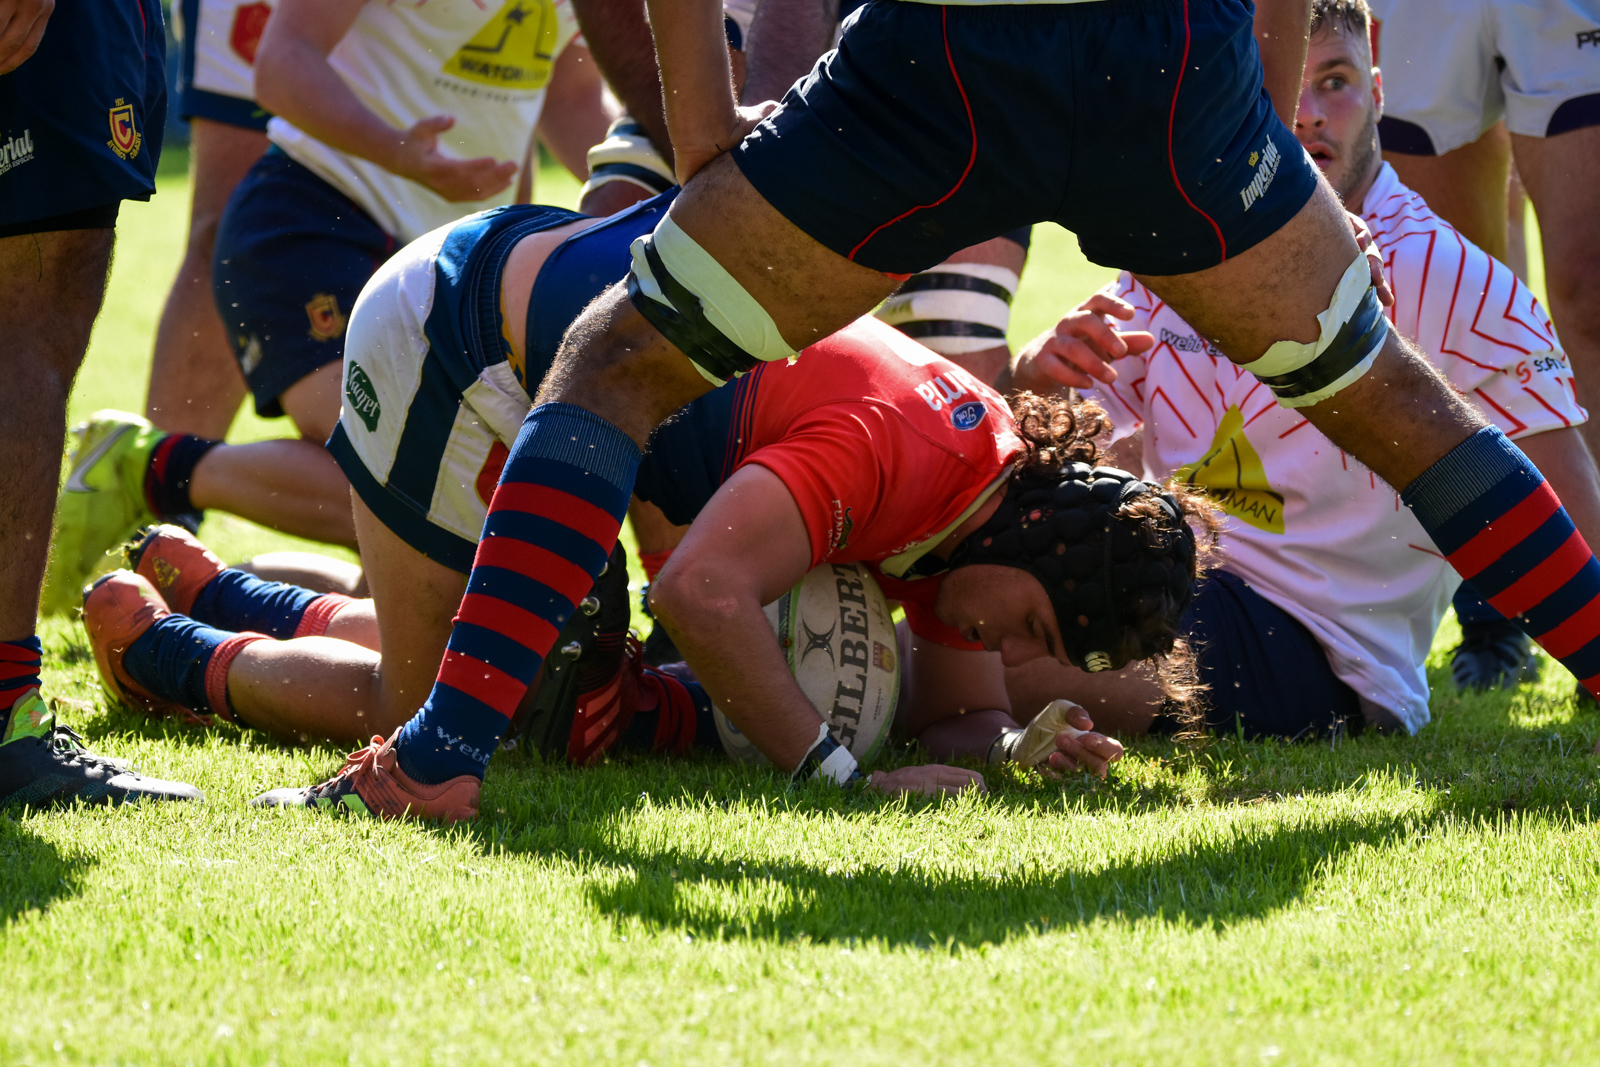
point(1353, 332)
point(699, 307)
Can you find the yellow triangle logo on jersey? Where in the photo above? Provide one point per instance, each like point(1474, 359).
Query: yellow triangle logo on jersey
point(1232, 474)
point(514, 50)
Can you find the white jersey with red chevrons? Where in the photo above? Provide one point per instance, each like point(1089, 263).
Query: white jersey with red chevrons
point(486, 62)
point(1310, 528)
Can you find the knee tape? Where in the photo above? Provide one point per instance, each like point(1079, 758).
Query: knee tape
point(626, 155)
point(1353, 332)
point(954, 308)
point(700, 307)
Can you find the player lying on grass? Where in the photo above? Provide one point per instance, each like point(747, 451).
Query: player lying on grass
point(883, 452)
point(1326, 607)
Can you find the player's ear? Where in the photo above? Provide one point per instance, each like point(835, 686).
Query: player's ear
point(1377, 93)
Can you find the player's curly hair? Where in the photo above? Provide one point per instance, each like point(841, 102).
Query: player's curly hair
point(1124, 582)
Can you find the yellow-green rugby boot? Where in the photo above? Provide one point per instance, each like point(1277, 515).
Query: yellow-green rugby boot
point(101, 504)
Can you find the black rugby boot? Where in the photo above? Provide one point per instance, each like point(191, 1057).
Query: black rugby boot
point(45, 764)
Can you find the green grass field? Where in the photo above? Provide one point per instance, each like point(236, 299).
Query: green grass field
point(1391, 901)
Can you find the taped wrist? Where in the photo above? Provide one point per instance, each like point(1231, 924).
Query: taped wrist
point(955, 308)
point(829, 760)
point(1003, 748)
point(1353, 331)
point(699, 307)
point(627, 155)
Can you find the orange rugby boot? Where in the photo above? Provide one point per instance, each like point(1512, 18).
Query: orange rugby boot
point(175, 562)
point(117, 610)
point(372, 783)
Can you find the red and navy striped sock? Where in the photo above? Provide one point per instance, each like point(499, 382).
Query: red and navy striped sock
point(19, 671)
point(1498, 522)
point(552, 523)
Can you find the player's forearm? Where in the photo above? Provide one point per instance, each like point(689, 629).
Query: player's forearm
point(729, 644)
point(295, 81)
point(619, 39)
point(575, 116)
point(1282, 28)
point(966, 736)
point(696, 81)
point(786, 37)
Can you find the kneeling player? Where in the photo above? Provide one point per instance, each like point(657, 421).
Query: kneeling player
point(889, 455)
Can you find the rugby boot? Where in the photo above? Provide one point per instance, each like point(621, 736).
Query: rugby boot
point(174, 561)
point(101, 503)
point(117, 610)
point(372, 783)
point(1493, 655)
point(587, 654)
point(43, 763)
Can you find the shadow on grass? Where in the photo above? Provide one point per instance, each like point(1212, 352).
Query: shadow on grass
point(36, 873)
point(1249, 873)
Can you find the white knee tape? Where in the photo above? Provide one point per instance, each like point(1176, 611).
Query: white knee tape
point(627, 155)
point(724, 303)
point(1353, 332)
point(955, 308)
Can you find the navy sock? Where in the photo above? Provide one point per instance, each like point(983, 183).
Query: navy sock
point(1472, 610)
point(552, 524)
point(167, 477)
point(235, 600)
point(170, 660)
point(1501, 527)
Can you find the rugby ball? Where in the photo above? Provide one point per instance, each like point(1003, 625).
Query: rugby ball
point(837, 635)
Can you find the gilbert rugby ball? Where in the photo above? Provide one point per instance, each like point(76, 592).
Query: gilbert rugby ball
point(838, 637)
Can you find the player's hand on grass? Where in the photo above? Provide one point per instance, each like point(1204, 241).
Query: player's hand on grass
point(1374, 255)
point(1079, 350)
point(689, 158)
point(457, 180)
point(21, 28)
point(1078, 747)
point(928, 779)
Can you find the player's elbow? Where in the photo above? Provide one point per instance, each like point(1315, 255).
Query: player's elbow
point(693, 598)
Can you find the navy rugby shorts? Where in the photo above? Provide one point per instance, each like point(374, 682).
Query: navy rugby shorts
point(292, 255)
point(1140, 125)
point(1268, 675)
point(81, 120)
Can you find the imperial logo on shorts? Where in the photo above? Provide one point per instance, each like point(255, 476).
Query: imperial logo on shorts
point(1266, 163)
point(968, 415)
point(125, 137)
point(16, 151)
point(363, 397)
point(327, 321)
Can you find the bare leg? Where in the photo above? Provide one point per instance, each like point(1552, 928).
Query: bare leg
point(195, 385)
point(289, 485)
point(1400, 418)
point(616, 365)
point(320, 574)
point(64, 272)
point(1466, 187)
point(1517, 226)
point(337, 688)
point(1559, 173)
point(651, 528)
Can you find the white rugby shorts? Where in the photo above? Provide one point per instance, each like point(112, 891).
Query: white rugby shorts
point(1456, 67)
point(425, 447)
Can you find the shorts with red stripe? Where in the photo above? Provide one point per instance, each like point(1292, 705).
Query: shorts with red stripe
point(1140, 125)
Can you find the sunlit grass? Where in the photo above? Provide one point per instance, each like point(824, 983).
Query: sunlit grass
point(1386, 901)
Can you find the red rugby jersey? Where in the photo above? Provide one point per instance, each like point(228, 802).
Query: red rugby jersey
point(886, 446)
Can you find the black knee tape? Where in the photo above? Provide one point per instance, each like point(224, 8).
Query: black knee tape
point(684, 323)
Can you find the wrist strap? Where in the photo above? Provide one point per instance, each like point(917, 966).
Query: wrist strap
point(827, 759)
point(1004, 747)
